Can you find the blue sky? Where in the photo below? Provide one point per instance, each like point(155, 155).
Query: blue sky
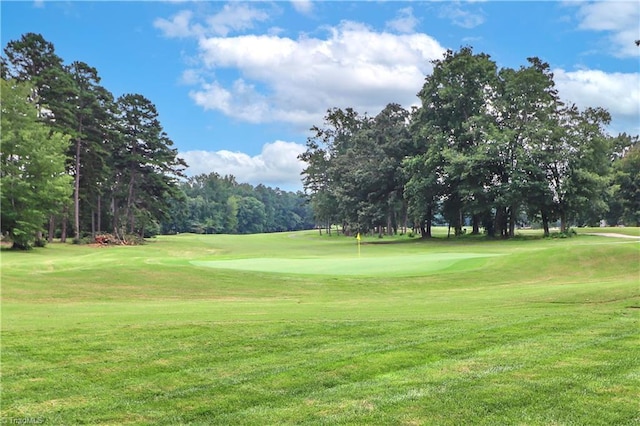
point(238, 84)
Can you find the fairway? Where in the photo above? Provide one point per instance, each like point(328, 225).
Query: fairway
point(400, 265)
point(296, 328)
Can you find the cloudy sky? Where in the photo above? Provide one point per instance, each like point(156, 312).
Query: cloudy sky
point(238, 84)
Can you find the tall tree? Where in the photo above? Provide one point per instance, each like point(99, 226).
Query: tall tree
point(627, 180)
point(33, 59)
point(30, 59)
point(457, 109)
point(328, 156)
point(32, 166)
point(91, 112)
point(146, 167)
point(528, 108)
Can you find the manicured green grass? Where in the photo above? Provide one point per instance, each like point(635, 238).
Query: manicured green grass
point(632, 231)
point(296, 328)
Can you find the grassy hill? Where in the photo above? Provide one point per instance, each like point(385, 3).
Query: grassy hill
point(297, 328)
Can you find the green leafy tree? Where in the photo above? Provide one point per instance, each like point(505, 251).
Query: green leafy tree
point(33, 59)
point(627, 179)
point(528, 107)
point(251, 215)
point(451, 125)
point(32, 172)
point(576, 162)
point(329, 156)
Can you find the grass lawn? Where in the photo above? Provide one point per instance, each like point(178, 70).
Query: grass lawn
point(297, 328)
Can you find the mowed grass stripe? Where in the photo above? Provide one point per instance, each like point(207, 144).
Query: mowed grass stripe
point(543, 333)
point(283, 366)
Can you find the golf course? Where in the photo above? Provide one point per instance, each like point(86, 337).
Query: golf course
point(303, 328)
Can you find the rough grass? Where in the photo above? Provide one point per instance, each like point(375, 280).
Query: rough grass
point(540, 332)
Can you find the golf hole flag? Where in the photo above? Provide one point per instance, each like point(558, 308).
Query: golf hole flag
point(358, 238)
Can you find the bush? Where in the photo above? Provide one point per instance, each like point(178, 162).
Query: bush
point(566, 234)
point(133, 240)
point(83, 240)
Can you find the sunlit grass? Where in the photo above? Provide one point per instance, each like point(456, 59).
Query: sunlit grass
point(540, 331)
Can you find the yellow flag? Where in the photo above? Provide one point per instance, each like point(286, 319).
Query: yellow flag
point(358, 237)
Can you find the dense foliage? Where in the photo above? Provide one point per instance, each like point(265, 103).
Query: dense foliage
point(32, 167)
point(77, 160)
point(215, 204)
point(488, 148)
point(121, 165)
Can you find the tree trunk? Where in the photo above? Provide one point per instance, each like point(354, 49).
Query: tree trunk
point(426, 230)
point(116, 219)
point(63, 231)
point(76, 193)
point(93, 224)
point(129, 216)
point(405, 217)
point(498, 221)
point(512, 221)
point(545, 223)
point(459, 221)
point(52, 228)
point(475, 224)
point(99, 225)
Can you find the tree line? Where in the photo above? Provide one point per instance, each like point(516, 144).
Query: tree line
point(214, 204)
point(488, 149)
point(77, 161)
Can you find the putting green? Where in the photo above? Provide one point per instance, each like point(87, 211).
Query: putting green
point(399, 265)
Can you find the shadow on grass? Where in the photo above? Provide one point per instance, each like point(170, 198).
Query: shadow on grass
point(461, 239)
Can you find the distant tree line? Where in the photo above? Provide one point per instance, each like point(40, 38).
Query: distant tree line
point(212, 204)
point(76, 161)
point(487, 149)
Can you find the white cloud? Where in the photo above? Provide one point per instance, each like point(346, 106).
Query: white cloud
point(276, 166)
point(191, 77)
point(178, 26)
point(235, 17)
point(618, 93)
point(303, 6)
point(460, 16)
point(297, 80)
point(232, 17)
point(404, 22)
point(619, 19)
